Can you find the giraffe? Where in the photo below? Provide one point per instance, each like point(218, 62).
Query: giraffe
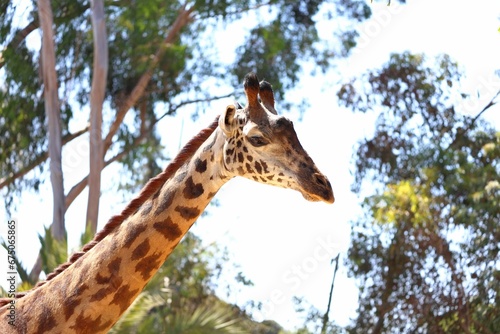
point(90, 292)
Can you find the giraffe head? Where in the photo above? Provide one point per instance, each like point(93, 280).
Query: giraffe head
point(263, 146)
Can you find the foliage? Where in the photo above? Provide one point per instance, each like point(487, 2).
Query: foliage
point(425, 253)
point(26, 283)
point(53, 252)
point(185, 72)
point(145, 315)
point(314, 320)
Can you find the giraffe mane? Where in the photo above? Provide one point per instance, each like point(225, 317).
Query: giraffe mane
point(147, 191)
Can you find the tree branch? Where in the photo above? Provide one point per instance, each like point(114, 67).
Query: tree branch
point(52, 110)
point(462, 131)
point(182, 19)
point(174, 108)
point(98, 90)
point(20, 36)
point(80, 186)
point(238, 12)
point(38, 160)
point(486, 107)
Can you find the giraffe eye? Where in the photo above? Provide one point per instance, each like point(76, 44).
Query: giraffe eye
point(257, 141)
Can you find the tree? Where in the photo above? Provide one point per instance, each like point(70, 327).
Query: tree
point(425, 253)
point(159, 61)
point(51, 98)
point(98, 90)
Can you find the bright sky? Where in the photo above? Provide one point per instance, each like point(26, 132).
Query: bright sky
point(283, 243)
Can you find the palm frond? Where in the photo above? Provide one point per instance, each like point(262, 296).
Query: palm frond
point(53, 252)
point(138, 313)
point(205, 319)
point(23, 274)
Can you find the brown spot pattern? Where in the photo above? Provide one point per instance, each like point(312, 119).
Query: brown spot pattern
point(187, 212)
point(113, 267)
point(168, 229)
point(99, 279)
point(47, 321)
point(192, 190)
point(109, 289)
point(146, 208)
point(165, 202)
point(71, 302)
point(87, 325)
point(200, 165)
point(156, 194)
point(181, 176)
point(147, 265)
point(264, 165)
point(249, 168)
point(258, 167)
point(133, 233)
point(123, 297)
point(141, 250)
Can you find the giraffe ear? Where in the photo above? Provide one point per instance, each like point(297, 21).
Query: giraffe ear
point(226, 120)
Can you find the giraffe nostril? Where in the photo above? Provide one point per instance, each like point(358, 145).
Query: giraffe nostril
point(320, 179)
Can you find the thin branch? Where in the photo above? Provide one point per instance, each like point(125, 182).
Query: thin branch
point(238, 12)
point(326, 315)
point(80, 186)
point(463, 131)
point(38, 160)
point(20, 36)
point(174, 108)
point(486, 107)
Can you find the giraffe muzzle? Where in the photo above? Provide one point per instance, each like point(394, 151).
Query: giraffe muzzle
point(318, 189)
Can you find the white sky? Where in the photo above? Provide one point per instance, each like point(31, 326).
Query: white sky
point(283, 243)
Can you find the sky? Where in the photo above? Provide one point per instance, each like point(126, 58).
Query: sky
point(281, 242)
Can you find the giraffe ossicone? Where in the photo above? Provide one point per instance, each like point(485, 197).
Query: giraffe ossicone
point(91, 291)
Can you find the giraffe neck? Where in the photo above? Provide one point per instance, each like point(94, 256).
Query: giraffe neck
point(91, 295)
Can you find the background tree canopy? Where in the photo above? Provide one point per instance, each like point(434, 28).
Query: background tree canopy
point(424, 253)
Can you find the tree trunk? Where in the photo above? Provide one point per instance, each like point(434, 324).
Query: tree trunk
point(100, 71)
point(53, 117)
